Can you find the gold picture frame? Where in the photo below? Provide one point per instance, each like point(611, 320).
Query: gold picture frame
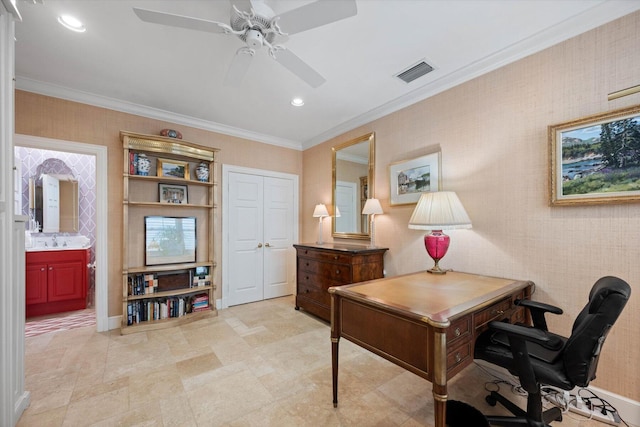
point(173, 168)
point(596, 159)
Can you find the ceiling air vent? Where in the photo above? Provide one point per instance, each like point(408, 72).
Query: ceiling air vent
point(414, 72)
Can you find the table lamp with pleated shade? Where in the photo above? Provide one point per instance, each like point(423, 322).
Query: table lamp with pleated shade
point(437, 211)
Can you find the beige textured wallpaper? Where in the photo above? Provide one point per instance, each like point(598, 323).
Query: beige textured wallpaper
point(493, 136)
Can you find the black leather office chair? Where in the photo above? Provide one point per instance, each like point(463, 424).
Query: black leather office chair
point(538, 356)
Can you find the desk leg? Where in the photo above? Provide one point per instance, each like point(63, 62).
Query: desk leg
point(334, 370)
point(335, 340)
point(440, 377)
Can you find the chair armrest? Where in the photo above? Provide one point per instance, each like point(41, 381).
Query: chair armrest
point(537, 310)
point(522, 332)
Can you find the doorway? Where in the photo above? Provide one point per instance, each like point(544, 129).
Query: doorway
point(260, 225)
point(100, 247)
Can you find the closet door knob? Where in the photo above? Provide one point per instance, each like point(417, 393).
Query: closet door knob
point(259, 245)
point(267, 245)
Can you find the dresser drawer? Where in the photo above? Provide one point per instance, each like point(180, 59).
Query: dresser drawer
point(314, 292)
point(335, 257)
point(493, 312)
point(339, 273)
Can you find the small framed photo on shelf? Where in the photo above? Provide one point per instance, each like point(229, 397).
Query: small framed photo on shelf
point(173, 168)
point(172, 193)
point(409, 178)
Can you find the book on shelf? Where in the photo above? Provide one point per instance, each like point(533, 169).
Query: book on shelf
point(143, 284)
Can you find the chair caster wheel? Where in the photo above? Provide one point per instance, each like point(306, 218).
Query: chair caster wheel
point(491, 400)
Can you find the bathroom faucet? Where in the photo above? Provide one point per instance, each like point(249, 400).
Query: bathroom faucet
point(54, 242)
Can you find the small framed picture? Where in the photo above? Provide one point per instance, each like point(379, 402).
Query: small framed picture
point(410, 178)
point(172, 193)
point(173, 168)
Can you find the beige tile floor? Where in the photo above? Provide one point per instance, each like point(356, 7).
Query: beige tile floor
point(260, 364)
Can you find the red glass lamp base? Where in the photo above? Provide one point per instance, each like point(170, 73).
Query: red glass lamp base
point(437, 244)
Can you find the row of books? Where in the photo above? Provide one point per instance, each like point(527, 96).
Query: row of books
point(143, 284)
point(163, 308)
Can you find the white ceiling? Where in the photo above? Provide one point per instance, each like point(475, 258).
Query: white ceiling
point(177, 74)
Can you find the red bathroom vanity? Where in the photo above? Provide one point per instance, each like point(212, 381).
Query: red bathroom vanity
point(56, 281)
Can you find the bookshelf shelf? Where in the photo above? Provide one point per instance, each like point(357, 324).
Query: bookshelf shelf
point(169, 294)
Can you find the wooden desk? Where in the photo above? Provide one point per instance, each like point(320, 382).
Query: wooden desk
point(423, 322)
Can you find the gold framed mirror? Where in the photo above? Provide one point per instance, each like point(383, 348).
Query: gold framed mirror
point(352, 184)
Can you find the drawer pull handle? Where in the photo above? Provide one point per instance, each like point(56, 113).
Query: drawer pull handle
point(337, 271)
point(457, 332)
point(50, 268)
point(457, 357)
point(335, 257)
point(494, 312)
point(42, 269)
point(307, 264)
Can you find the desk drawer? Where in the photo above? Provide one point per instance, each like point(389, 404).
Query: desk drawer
point(459, 328)
point(339, 273)
point(493, 312)
point(458, 354)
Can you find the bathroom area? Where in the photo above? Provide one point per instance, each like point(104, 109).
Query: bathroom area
point(56, 191)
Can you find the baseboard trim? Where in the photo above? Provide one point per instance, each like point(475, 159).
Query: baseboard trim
point(628, 409)
point(115, 322)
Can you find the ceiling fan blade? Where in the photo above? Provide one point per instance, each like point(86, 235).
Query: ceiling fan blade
point(180, 21)
point(300, 68)
point(316, 14)
point(239, 66)
point(243, 5)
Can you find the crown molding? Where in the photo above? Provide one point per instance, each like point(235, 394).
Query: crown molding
point(56, 91)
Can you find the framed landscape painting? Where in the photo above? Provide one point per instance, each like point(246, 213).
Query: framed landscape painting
point(409, 178)
point(596, 159)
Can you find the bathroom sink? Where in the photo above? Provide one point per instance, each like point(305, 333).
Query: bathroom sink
point(60, 243)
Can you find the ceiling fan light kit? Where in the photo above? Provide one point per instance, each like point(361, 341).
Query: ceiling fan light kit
point(254, 23)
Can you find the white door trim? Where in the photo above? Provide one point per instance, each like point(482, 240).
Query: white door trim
point(226, 169)
point(100, 151)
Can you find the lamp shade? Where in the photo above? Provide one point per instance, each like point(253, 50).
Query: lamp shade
point(440, 210)
point(372, 206)
point(320, 211)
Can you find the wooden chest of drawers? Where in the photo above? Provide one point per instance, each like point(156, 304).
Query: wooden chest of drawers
point(321, 266)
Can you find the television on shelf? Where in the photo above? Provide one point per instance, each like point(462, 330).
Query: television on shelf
point(169, 240)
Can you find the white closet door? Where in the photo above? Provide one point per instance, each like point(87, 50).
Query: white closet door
point(261, 229)
point(278, 235)
point(245, 238)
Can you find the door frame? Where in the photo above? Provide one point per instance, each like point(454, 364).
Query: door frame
point(101, 250)
point(226, 169)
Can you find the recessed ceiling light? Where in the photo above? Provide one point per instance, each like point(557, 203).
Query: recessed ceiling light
point(72, 23)
point(297, 102)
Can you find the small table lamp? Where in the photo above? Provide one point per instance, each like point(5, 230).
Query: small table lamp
point(372, 207)
point(320, 212)
point(437, 211)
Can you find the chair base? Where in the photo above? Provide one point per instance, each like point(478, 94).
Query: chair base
point(521, 417)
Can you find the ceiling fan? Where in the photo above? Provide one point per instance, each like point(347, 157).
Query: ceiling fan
point(253, 22)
